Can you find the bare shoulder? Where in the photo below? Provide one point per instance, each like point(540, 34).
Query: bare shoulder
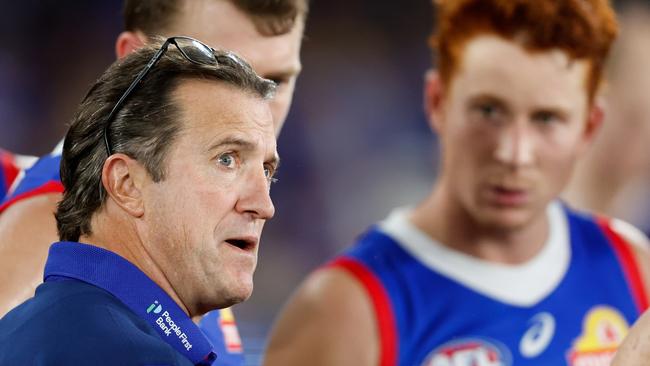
point(328, 321)
point(635, 349)
point(27, 229)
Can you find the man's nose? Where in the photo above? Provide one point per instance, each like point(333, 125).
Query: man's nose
point(256, 198)
point(515, 145)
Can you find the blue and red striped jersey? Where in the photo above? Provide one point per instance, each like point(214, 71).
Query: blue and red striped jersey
point(569, 305)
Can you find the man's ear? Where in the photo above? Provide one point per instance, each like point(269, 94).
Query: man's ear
point(433, 99)
point(595, 117)
point(123, 179)
point(128, 42)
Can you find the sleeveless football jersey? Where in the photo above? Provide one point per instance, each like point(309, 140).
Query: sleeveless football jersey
point(42, 176)
point(570, 305)
point(36, 176)
point(8, 172)
point(10, 167)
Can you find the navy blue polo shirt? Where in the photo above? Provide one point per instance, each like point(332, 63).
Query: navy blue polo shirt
point(96, 308)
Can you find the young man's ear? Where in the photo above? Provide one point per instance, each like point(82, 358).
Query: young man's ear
point(433, 99)
point(128, 42)
point(595, 117)
point(123, 179)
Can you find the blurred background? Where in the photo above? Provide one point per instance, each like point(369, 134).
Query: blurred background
point(356, 143)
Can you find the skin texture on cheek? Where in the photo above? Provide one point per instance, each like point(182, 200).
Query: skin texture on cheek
point(213, 196)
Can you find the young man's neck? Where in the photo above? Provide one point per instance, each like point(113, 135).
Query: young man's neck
point(446, 221)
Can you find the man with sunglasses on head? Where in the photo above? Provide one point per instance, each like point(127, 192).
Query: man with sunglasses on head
point(267, 33)
point(167, 188)
point(490, 268)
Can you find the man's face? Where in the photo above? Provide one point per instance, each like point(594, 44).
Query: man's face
point(205, 218)
point(511, 124)
point(220, 24)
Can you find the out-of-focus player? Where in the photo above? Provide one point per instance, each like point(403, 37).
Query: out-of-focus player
point(619, 162)
point(8, 172)
point(614, 176)
point(267, 33)
point(490, 269)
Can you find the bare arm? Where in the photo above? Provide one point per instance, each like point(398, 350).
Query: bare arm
point(27, 229)
point(329, 321)
point(635, 349)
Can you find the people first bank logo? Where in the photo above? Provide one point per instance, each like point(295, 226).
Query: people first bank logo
point(469, 352)
point(167, 324)
point(155, 307)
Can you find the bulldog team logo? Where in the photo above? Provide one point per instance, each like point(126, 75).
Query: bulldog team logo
point(229, 330)
point(469, 352)
point(603, 329)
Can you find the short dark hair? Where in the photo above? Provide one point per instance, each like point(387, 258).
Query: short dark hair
point(271, 17)
point(143, 129)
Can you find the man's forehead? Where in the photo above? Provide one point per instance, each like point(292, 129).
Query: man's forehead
point(222, 25)
point(485, 56)
point(204, 104)
point(496, 68)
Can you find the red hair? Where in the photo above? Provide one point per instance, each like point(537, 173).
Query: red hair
point(584, 29)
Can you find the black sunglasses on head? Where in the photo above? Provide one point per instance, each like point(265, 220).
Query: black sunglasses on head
point(193, 50)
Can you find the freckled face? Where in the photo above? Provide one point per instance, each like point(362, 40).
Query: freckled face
point(511, 126)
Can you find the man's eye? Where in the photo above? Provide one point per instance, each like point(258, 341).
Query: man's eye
point(227, 160)
point(488, 111)
point(269, 173)
point(278, 82)
point(546, 117)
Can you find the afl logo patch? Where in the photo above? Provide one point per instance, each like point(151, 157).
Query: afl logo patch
point(469, 352)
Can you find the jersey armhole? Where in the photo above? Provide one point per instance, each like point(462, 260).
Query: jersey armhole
point(628, 263)
point(9, 168)
point(384, 316)
point(49, 187)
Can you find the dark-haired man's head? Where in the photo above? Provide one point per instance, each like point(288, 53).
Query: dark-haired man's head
point(266, 33)
point(184, 193)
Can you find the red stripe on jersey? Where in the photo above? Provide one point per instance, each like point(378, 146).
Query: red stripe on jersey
point(381, 303)
point(49, 187)
point(628, 263)
point(9, 167)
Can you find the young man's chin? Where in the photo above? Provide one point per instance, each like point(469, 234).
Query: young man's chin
point(502, 218)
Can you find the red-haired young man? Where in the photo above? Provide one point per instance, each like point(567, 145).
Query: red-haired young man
point(490, 268)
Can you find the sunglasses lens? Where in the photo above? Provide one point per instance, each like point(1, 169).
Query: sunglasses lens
point(196, 51)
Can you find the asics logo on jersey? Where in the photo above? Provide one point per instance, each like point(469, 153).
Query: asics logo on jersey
point(538, 336)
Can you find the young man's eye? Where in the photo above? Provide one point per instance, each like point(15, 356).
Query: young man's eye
point(546, 117)
point(279, 81)
point(488, 111)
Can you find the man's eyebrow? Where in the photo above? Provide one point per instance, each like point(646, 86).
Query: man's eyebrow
point(232, 141)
